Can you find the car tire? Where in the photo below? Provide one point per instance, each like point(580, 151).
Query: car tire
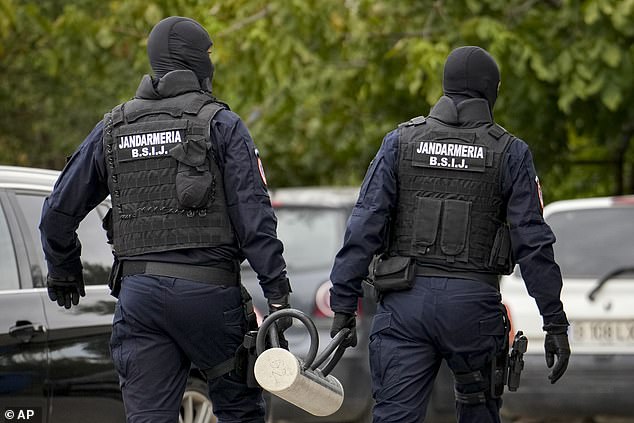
point(196, 405)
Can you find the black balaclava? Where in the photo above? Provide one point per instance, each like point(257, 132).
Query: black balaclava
point(178, 43)
point(471, 72)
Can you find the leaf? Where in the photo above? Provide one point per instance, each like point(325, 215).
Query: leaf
point(152, 14)
point(611, 55)
point(611, 97)
point(105, 37)
point(542, 71)
point(565, 62)
point(592, 12)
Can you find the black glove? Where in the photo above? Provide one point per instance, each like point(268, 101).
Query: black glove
point(342, 321)
point(65, 291)
point(556, 344)
point(282, 323)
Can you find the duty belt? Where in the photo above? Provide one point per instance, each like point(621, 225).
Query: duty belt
point(204, 274)
point(487, 278)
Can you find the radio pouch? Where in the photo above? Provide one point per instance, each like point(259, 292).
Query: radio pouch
point(393, 273)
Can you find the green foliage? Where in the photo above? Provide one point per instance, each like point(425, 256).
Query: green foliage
point(320, 82)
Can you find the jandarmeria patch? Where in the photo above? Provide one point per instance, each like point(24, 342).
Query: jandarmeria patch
point(147, 145)
point(450, 155)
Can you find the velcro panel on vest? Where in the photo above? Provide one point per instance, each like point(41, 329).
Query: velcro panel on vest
point(148, 140)
point(468, 137)
point(449, 151)
point(142, 108)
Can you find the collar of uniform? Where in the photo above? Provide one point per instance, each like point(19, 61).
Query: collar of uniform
point(468, 112)
point(170, 85)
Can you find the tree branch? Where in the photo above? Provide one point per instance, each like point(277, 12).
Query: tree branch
point(238, 25)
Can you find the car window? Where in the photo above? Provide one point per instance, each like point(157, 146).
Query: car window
point(593, 242)
point(96, 255)
point(8, 263)
point(311, 236)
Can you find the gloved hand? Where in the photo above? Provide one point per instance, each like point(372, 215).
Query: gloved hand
point(65, 291)
point(342, 321)
point(281, 324)
point(556, 344)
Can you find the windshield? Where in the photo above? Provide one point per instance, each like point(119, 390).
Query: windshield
point(591, 243)
point(311, 236)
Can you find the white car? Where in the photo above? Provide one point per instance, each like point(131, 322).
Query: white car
point(595, 251)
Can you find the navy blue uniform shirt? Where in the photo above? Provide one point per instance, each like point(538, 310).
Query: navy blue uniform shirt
point(82, 185)
point(531, 237)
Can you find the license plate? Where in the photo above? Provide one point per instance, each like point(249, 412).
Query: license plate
point(603, 332)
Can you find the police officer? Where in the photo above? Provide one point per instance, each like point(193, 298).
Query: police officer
point(450, 202)
point(189, 203)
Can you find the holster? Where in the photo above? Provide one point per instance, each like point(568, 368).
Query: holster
point(245, 359)
point(393, 273)
point(114, 279)
point(243, 362)
point(500, 362)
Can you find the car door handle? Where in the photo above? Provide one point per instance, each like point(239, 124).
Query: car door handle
point(25, 330)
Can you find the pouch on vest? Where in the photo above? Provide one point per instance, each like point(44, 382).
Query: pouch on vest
point(447, 220)
point(393, 273)
point(194, 181)
point(426, 224)
point(501, 258)
point(455, 230)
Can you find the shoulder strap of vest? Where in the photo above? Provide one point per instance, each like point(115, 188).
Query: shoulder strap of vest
point(200, 101)
point(503, 138)
point(206, 113)
point(496, 131)
point(418, 120)
point(501, 135)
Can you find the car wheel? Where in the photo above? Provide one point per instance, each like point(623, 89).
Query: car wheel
point(196, 406)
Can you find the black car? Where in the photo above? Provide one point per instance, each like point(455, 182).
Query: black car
point(56, 362)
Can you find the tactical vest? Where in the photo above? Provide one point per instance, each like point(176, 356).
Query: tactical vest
point(166, 187)
point(450, 213)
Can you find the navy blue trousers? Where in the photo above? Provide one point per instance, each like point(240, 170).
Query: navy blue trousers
point(161, 326)
point(460, 321)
